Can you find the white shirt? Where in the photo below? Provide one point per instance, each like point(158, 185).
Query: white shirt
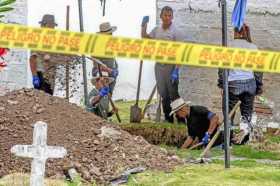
point(235, 75)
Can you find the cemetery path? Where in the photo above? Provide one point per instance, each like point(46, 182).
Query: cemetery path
point(99, 150)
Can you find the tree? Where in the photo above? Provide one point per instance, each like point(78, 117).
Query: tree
point(5, 7)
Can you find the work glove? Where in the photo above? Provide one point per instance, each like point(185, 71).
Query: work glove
point(36, 82)
point(145, 21)
point(175, 75)
point(206, 138)
point(104, 91)
point(115, 73)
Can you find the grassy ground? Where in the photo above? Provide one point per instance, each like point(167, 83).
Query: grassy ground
point(248, 171)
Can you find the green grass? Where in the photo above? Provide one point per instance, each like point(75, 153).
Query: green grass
point(210, 175)
point(249, 152)
point(273, 139)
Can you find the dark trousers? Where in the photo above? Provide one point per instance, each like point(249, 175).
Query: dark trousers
point(167, 90)
point(247, 103)
point(46, 87)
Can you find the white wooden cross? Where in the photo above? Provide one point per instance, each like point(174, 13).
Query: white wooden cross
point(40, 152)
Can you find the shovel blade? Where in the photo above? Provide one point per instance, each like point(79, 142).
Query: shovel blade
point(135, 114)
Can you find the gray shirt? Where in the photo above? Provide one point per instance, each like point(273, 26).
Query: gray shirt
point(101, 108)
point(172, 33)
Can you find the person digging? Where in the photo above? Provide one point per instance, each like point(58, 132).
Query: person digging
point(99, 96)
point(201, 123)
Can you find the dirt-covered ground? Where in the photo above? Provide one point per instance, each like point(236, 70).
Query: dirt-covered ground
point(97, 149)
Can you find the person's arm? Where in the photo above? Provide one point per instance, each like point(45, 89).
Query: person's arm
point(214, 122)
point(144, 25)
point(33, 65)
point(95, 100)
point(187, 143)
point(259, 82)
point(144, 33)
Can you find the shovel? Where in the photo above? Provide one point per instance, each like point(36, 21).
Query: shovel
point(135, 110)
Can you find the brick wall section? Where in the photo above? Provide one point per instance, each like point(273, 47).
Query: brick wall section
point(15, 75)
point(200, 20)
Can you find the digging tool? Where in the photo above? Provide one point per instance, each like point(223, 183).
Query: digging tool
point(158, 114)
point(96, 61)
point(215, 137)
point(149, 101)
point(67, 64)
point(81, 20)
point(196, 145)
point(135, 110)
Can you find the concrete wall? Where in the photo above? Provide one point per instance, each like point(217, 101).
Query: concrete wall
point(14, 76)
point(201, 22)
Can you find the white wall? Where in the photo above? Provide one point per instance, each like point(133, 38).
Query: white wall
point(14, 76)
point(125, 14)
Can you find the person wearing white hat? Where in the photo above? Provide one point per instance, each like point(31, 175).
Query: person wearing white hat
point(201, 123)
point(110, 64)
point(98, 97)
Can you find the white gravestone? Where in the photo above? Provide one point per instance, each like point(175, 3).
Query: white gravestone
point(40, 152)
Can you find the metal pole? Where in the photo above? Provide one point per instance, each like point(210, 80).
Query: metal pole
point(67, 64)
point(83, 57)
point(225, 86)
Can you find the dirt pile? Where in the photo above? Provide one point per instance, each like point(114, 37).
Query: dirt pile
point(97, 149)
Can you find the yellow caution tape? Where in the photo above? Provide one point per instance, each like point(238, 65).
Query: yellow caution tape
point(65, 42)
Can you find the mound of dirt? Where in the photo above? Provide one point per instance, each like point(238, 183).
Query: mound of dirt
point(99, 150)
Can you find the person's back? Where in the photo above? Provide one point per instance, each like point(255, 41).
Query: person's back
point(241, 74)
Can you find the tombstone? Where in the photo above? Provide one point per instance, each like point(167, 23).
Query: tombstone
point(40, 152)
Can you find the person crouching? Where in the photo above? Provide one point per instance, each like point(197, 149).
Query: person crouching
point(99, 96)
point(201, 123)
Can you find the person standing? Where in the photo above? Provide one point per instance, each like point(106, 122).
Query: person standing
point(43, 64)
point(243, 85)
point(167, 76)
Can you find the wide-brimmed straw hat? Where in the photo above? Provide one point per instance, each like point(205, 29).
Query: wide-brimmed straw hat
point(48, 18)
point(178, 104)
point(106, 28)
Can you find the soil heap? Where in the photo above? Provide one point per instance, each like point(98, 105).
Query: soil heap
point(99, 150)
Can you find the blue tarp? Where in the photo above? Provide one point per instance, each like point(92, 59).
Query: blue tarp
point(238, 14)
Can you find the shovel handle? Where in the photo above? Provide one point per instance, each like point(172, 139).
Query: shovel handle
point(149, 100)
point(215, 137)
point(114, 107)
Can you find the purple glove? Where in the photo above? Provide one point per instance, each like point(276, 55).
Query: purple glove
point(206, 138)
point(175, 75)
point(104, 91)
point(145, 20)
point(36, 81)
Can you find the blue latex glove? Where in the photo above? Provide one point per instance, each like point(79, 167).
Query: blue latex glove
point(206, 138)
point(175, 75)
point(36, 81)
point(104, 91)
point(145, 20)
point(239, 13)
point(115, 73)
